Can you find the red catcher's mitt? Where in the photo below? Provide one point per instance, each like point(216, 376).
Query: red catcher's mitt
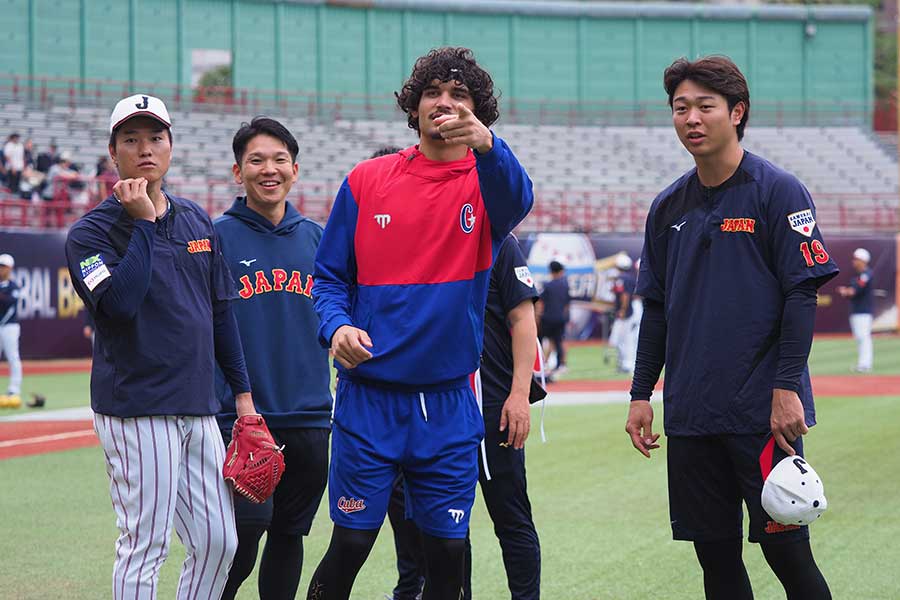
point(254, 464)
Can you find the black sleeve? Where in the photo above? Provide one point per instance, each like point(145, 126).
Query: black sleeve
point(229, 352)
point(130, 280)
point(514, 281)
point(797, 323)
point(651, 350)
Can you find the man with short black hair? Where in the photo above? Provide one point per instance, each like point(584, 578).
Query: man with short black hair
point(554, 315)
point(731, 263)
point(270, 249)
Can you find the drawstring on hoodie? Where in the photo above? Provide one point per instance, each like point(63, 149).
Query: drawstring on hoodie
point(422, 403)
point(479, 398)
point(540, 353)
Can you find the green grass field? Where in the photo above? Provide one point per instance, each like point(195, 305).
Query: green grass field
point(829, 356)
point(600, 508)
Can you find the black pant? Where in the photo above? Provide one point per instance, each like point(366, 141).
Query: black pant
point(408, 543)
point(555, 332)
point(506, 498)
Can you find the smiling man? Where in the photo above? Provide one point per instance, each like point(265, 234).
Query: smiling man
point(271, 249)
point(731, 263)
point(149, 268)
point(401, 282)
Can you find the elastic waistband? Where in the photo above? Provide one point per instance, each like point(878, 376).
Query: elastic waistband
point(443, 386)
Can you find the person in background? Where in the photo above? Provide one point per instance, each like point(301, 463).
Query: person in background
point(61, 180)
point(9, 332)
point(554, 312)
point(622, 334)
point(105, 177)
point(47, 159)
point(14, 159)
point(859, 292)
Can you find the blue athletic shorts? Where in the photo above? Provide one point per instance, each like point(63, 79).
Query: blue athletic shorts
point(432, 437)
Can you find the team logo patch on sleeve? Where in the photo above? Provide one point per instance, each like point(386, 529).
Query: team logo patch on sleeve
point(524, 275)
point(802, 222)
point(93, 271)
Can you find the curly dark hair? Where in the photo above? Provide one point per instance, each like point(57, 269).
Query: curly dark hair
point(438, 64)
point(717, 73)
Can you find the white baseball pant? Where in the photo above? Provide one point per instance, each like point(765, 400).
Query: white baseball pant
point(9, 347)
point(166, 470)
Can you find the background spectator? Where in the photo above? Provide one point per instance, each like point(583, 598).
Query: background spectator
point(47, 159)
point(64, 182)
point(106, 177)
point(14, 156)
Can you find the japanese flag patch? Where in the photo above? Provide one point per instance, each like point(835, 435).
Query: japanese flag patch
point(93, 271)
point(524, 275)
point(802, 222)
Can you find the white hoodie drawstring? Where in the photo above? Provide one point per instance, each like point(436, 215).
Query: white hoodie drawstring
point(422, 403)
point(479, 401)
point(540, 353)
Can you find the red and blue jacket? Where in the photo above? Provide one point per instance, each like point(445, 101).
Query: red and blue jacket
point(406, 256)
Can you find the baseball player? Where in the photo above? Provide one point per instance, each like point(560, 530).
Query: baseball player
point(401, 281)
point(9, 332)
point(621, 336)
point(507, 391)
point(506, 388)
point(731, 263)
point(554, 313)
point(270, 249)
point(149, 268)
point(860, 294)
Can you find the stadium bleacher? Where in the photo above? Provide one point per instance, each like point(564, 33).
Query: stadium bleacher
point(598, 178)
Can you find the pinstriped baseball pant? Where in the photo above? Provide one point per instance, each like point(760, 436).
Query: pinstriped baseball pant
point(166, 470)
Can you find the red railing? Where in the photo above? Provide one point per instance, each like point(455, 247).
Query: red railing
point(578, 211)
point(46, 92)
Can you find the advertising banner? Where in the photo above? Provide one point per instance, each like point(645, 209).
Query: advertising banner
point(50, 312)
point(53, 317)
point(589, 260)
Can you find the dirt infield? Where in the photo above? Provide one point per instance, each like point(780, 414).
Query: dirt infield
point(24, 438)
point(49, 367)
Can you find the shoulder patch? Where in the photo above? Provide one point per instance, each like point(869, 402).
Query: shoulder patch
point(802, 222)
point(93, 271)
point(524, 275)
